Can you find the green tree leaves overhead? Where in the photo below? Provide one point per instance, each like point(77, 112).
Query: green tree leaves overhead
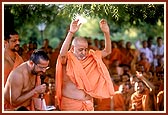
point(57, 17)
point(34, 13)
point(120, 13)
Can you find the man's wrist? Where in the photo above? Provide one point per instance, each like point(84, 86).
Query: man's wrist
point(70, 32)
point(106, 32)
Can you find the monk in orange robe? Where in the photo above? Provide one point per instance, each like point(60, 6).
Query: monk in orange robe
point(143, 61)
point(121, 98)
point(11, 57)
point(81, 74)
point(115, 54)
point(141, 98)
point(127, 54)
point(23, 83)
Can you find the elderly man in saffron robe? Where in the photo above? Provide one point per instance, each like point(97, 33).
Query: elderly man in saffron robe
point(81, 74)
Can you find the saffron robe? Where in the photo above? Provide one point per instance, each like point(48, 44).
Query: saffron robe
point(17, 62)
point(142, 101)
point(90, 75)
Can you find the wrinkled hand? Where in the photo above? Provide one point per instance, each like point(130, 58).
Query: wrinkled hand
point(104, 26)
point(74, 26)
point(40, 88)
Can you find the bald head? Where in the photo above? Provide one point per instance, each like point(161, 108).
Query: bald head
point(78, 40)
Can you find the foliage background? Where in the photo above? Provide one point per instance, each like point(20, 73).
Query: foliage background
point(130, 22)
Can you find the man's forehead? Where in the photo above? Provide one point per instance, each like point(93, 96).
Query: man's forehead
point(14, 36)
point(81, 44)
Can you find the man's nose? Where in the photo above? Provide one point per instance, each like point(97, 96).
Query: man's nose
point(18, 42)
point(83, 51)
point(44, 70)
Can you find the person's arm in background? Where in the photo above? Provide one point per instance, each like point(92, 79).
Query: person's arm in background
point(147, 83)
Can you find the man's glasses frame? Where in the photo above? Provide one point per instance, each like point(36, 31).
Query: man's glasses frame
point(42, 68)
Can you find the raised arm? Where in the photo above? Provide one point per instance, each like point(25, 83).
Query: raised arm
point(148, 83)
point(105, 29)
point(74, 26)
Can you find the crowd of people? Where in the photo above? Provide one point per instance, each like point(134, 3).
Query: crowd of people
point(131, 79)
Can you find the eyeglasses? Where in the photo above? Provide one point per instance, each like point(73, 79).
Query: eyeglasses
point(42, 68)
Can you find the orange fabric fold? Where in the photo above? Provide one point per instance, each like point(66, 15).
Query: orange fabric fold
point(91, 75)
point(103, 104)
point(141, 100)
point(17, 62)
point(77, 105)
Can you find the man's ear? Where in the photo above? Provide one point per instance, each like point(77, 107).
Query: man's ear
point(72, 49)
point(31, 62)
point(5, 42)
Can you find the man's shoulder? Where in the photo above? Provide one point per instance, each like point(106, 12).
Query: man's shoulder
point(6, 59)
point(22, 68)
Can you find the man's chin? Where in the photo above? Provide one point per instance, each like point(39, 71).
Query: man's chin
point(16, 49)
point(37, 73)
point(82, 58)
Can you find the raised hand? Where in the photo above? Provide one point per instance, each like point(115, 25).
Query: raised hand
point(74, 26)
point(104, 26)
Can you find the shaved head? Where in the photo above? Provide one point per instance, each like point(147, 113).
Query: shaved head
point(78, 40)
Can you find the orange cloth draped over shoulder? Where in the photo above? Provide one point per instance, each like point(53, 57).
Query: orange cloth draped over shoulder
point(90, 75)
point(142, 101)
point(17, 62)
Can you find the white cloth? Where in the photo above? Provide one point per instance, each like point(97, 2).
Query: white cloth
point(158, 51)
point(148, 53)
point(40, 105)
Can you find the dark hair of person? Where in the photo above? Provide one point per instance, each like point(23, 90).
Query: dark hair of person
point(159, 38)
point(150, 38)
point(37, 55)
point(8, 33)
